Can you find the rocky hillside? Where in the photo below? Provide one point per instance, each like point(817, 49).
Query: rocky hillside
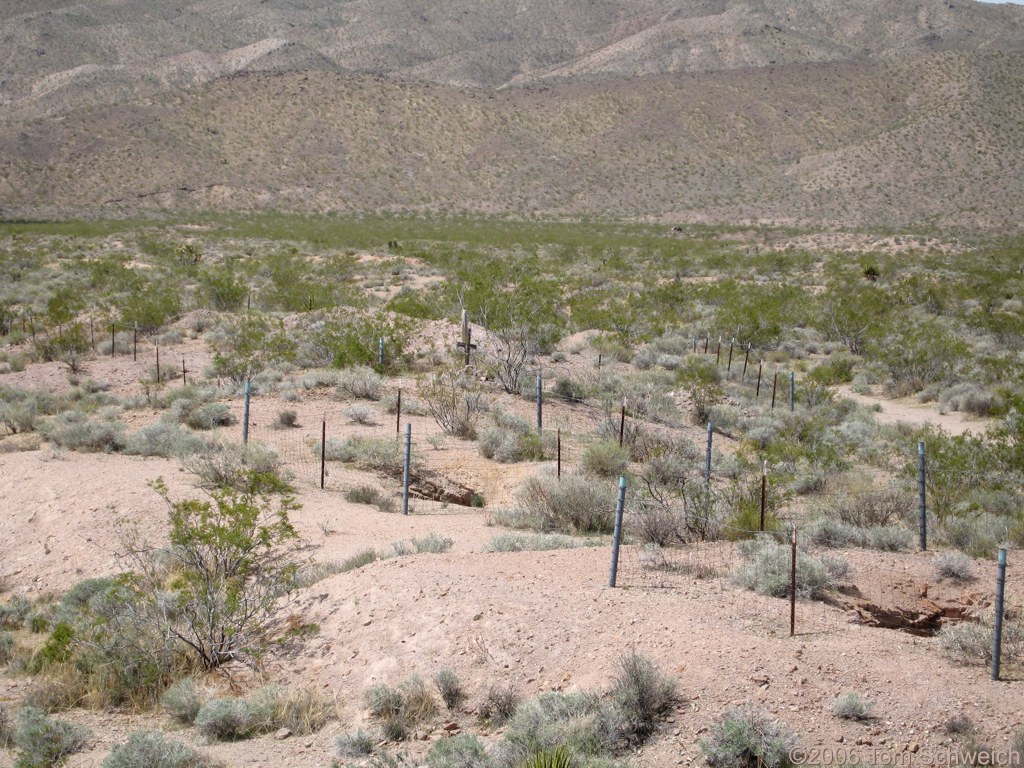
point(865, 112)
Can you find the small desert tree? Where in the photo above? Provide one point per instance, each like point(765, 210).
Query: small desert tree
point(245, 346)
point(231, 557)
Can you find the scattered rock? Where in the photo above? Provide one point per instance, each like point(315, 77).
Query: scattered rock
point(282, 734)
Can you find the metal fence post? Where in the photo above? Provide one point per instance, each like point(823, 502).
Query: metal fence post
point(997, 635)
point(323, 452)
point(922, 503)
point(707, 457)
point(792, 588)
point(540, 403)
point(380, 353)
point(405, 469)
point(245, 415)
point(617, 536)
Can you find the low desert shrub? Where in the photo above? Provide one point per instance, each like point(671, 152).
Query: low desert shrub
point(399, 709)
point(360, 383)
point(354, 744)
point(767, 570)
point(286, 419)
point(641, 694)
point(151, 749)
point(361, 414)
point(453, 694)
point(358, 560)
point(970, 398)
point(43, 742)
point(432, 543)
point(230, 466)
point(201, 415)
point(573, 504)
point(970, 642)
point(164, 439)
point(580, 722)
point(370, 453)
point(14, 612)
point(515, 542)
point(954, 565)
point(511, 439)
point(462, 751)
point(605, 458)
point(225, 719)
point(300, 710)
point(852, 706)
point(6, 648)
point(183, 700)
point(77, 432)
point(746, 737)
point(498, 706)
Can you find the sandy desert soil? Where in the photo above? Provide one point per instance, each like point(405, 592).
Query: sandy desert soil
point(535, 620)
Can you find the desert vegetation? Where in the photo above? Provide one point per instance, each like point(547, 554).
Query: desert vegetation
point(602, 352)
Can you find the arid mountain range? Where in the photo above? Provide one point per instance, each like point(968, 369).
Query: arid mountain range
point(888, 113)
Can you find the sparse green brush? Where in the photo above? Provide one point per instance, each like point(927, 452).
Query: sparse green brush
point(641, 694)
point(371, 453)
point(767, 566)
point(360, 383)
point(432, 543)
point(513, 542)
point(572, 504)
point(605, 458)
point(183, 700)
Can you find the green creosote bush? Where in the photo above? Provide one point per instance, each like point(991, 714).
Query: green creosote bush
point(43, 742)
point(234, 555)
point(151, 749)
point(746, 737)
point(852, 706)
point(455, 400)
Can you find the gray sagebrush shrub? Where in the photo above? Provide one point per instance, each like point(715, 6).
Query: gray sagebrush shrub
point(767, 567)
point(354, 744)
point(452, 692)
point(954, 565)
point(360, 383)
point(747, 737)
point(151, 749)
point(464, 750)
point(43, 742)
point(225, 719)
point(852, 706)
point(580, 722)
point(183, 700)
point(164, 439)
point(641, 693)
